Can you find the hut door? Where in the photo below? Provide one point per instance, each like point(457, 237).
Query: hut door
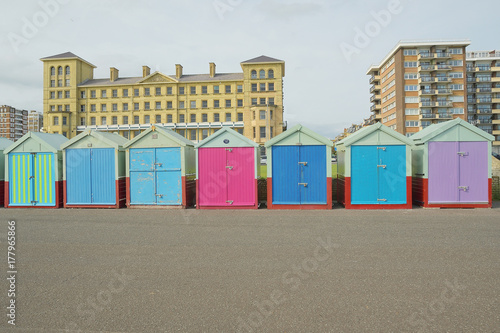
point(168, 177)
point(473, 164)
point(32, 180)
point(212, 177)
point(240, 173)
point(312, 174)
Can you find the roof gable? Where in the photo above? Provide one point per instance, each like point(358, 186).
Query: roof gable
point(165, 132)
point(435, 130)
point(157, 77)
point(366, 131)
point(261, 59)
point(52, 142)
point(298, 129)
point(242, 141)
point(112, 139)
point(67, 55)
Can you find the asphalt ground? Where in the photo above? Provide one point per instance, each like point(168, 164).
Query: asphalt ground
point(131, 270)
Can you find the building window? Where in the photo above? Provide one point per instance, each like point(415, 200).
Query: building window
point(125, 92)
point(228, 89)
point(158, 119)
point(136, 119)
point(204, 134)
point(93, 108)
point(169, 105)
point(59, 94)
point(103, 107)
point(52, 95)
point(103, 93)
point(158, 105)
point(411, 123)
point(67, 70)
point(204, 117)
point(240, 103)
point(262, 74)
point(56, 121)
point(136, 106)
point(193, 118)
point(146, 92)
point(216, 89)
point(67, 83)
point(262, 101)
point(181, 105)
point(254, 101)
point(59, 83)
point(52, 83)
point(114, 120)
point(114, 107)
point(59, 70)
point(204, 104)
point(146, 106)
point(52, 108)
point(169, 118)
point(271, 101)
point(82, 94)
point(82, 121)
point(254, 136)
point(114, 93)
point(169, 90)
point(192, 90)
point(411, 88)
point(240, 130)
point(228, 116)
point(216, 103)
point(136, 92)
point(409, 64)
point(158, 91)
point(192, 135)
point(262, 114)
point(181, 90)
point(125, 134)
point(182, 132)
point(204, 89)
point(64, 120)
point(52, 70)
point(253, 74)
point(270, 86)
point(92, 94)
point(181, 118)
point(66, 108)
point(254, 86)
point(240, 116)
point(82, 108)
point(146, 119)
point(262, 132)
point(270, 74)
point(66, 94)
point(216, 117)
point(193, 105)
point(125, 106)
point(92, 121)
point(125, 120)
point(228, 103)
point(262, 87)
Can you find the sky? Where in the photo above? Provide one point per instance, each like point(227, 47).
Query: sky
point(327, 46)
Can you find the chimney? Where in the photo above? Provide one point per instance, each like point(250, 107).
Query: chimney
point(113, 74)
point(212, 69)
point(178, 71)
point(146, 71)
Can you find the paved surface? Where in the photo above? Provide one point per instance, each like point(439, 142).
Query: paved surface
point(255, 271)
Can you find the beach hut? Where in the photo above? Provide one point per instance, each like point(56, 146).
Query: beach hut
point(94, 170)
point(227, 168)
point(4, 143)
point(161, 169)
point(452, 166)
point(374, 169)
point(33, 169)
point(299, 170)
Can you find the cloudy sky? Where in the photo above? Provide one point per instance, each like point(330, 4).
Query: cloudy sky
point(327, 45)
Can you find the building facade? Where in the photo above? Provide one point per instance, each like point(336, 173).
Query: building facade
point(35, 121)
point(483, 92)
point(194, 105)
point(13, 122)
point(420, 83)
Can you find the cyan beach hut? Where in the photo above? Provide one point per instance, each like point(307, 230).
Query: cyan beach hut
point(452, 166)
point(161, 169)
point(33, 171)
point(4, 143)
point(299, 170)
point(94, 170)
point(374, 169)
point(227, 171)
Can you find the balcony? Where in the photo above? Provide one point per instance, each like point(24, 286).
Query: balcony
point(483, 100)
point(428, 116)
point(495, 68)
point(484, 111)
point(445, 115)
point(375, 107)
point(482, 90)
point(443, 104)
point(482, 79)
point(495, 79)
point(443, 79)
point(426, 104)
point(495, 100)
point(496, 132)
point(430, 55)
point(425, 68)
point(374, 88)
point(374, 78)
point(375, 98)
point(482, 68)
point(496, 111)
point(425, 55)
point(471, 79)
point(443, 92)
point(442, 67)
point(495, 89)
point(425, 92)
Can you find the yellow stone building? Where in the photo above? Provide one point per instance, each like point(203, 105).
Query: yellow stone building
point(194, 105)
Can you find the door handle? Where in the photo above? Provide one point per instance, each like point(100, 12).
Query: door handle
point(229, 167)
point(305, 184)
point(463, 153)
point(303, 163)
point(381, 166)
point(465, 188)
point(158, 164)
point(230, 202)
point(383, 148)
point(381, 199)
point(229, 149)
point(159, 195)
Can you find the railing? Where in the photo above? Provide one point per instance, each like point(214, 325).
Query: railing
point(482, 89)
point(428, 115)
point(443, 67)
point(445, 115)
point(426, 103)
point(484, 110)
point(471, 79)
point(483, 68)
point(444, 91)
point(484, 100)
point(427, 92)
point(483, 79)
point(444, 103)
point(426, 67)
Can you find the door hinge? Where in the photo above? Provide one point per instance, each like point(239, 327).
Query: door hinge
point(305, 184)
point(303, 163)
point(159, 195)
point(229, 202)
point(463, 153)
point(381, 199)
point(158, 164)
point(383, 148)
point(229, 149)
point(229, 167)
point(381, 166)
point(465, 188)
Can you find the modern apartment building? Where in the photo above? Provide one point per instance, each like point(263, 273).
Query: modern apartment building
point(483, 92)
point(420, 83)
point(194, 105)
point(13, 122)
point(35, 121)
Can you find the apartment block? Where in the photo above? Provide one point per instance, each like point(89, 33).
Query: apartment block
point(483, 92)
point(420, 83)
point(13, 122)
point(35, 121)
point(194, 105)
